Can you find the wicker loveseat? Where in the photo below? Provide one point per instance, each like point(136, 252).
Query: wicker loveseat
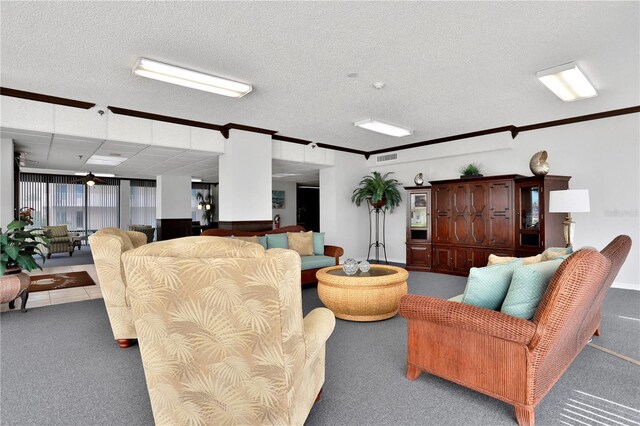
point(309, 263)
point(60, 240)
point(512, 359)
point(221, 332)
point(107, 246)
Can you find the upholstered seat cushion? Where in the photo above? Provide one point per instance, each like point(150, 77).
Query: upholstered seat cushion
point(314, 262)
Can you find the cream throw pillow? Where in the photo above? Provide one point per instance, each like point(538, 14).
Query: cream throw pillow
point(494, 260)
point(253, 239)
point(301, 242)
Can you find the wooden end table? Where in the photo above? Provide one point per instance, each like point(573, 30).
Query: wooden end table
point(364, 296)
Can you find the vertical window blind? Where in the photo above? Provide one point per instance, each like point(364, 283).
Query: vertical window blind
point(143, 202)
point(61, 200)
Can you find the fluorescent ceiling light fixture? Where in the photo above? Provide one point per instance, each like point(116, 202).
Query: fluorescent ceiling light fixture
point(281, 175)
point(386, 128)
point(196, 180)
point(193, 79)
point(567, 82)
point(95, 174)
point(106, 160)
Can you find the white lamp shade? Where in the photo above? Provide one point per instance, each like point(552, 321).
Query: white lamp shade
point(569, 201)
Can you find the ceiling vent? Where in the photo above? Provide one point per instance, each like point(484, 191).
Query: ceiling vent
point(387, 157)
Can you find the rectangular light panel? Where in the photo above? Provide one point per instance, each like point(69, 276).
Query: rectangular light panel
point(193, 79)
point(385, 128)
point(567, 82)
point(105, 160)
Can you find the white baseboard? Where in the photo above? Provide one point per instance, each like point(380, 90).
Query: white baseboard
point(626, 286)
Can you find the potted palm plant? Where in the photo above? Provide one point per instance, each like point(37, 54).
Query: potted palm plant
point(206, 204)
point(380, 191)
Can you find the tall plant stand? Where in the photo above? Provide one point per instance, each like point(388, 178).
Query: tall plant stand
point(377, 211)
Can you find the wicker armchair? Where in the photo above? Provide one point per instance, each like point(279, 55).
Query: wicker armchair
point(512, 359)
point(107, 246)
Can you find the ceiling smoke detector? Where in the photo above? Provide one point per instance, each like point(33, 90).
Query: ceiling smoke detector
point(378, 85)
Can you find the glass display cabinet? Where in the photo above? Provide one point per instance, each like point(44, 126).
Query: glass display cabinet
point(418, 228)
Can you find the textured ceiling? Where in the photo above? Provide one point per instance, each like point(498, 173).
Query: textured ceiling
point(449, 67)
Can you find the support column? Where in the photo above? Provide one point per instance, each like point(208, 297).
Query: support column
point(173, 206)
point(7, 212)
point(244, 192)
point(125, 204)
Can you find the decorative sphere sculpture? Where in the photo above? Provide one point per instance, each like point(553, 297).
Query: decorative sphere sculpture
point(364, 266)
point(350, 266)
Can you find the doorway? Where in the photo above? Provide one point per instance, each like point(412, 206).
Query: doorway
point(308, 207)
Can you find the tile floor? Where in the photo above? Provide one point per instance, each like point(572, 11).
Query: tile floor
point(63, 295)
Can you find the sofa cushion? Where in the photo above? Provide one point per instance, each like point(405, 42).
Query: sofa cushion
point(494, 260)
point(117, 232)
point(556, 252)
point(527, 288)
point(301, 242)
point(253, 239)
point(318, 243)
point(57, 231)
point(314, 262)
point(488, 286)
point(277, 241)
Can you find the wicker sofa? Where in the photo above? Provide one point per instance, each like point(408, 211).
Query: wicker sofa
point(221, 332)
point(512, 359)
point(107, 246)
point(309, 263)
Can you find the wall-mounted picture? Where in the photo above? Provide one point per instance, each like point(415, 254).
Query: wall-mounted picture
point(277, 199)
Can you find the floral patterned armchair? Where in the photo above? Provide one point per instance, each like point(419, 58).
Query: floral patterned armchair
point(221, 332)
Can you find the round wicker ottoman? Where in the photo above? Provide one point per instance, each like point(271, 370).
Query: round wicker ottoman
point(365, 296)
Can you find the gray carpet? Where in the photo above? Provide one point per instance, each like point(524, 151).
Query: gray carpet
point(80, 257)
point(60, 365)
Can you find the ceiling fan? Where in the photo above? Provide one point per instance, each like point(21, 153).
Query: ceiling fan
point(89, 179)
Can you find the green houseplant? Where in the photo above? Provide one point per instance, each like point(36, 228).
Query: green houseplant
point(19, 246)
point(470, 170)
point(378, 190)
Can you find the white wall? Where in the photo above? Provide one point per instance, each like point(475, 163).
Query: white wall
point(244, 174)
point(601, 156)
point(288, 214)
point(6, 182)
point(343, 223)
point(173, 197)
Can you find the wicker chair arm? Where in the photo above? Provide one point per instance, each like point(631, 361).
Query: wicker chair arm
point(467, 317)
point(334, 251)
point(318, 326)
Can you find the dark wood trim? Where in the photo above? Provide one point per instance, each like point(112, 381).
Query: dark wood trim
point(39, 97)
point(446, 139)
point(246, 225)
point(168, 229)
point(412, 188)
point(292, 140)
point(483, 178)
point(165, 118)
point(579, 118)
point(341, 148)
point(225, 129)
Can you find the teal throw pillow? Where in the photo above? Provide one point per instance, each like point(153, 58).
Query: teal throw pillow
point(277, 241)
point(488, 286)
point(527, 288)
point(263, 241)
point(318, 243)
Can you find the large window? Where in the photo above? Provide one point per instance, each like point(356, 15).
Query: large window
point(143, 202)
point(61, 200)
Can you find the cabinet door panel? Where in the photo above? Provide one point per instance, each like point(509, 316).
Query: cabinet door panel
point(460, 229)
point(441, 200)
point(479, 258)
point(461, 259)
point(460, 199)
point(419, 256)
point(441, 258)
point(500, 198)
point(478, 199)
point(500, 231)
point(441, 229)
point(478, 230)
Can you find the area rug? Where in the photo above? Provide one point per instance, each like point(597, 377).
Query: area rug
point(56, 281)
